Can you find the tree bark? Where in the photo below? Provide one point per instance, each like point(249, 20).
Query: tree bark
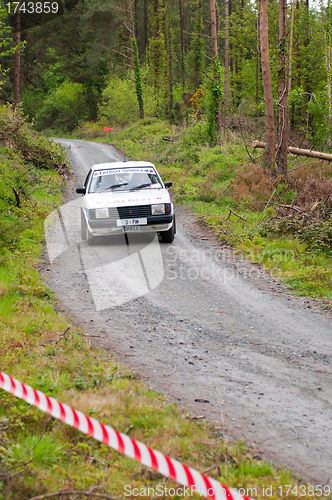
point(214, 45)
point(257, 54)
point(214, 49)
point(267, 88)
point(327, 38)
point(17, 68)
point(298, 151)
point(182, 41)
point(226, 55)
point(282, 114)
point(290, 61)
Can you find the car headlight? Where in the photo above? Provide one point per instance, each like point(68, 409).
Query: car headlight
point(102, 213)
point(158, 209)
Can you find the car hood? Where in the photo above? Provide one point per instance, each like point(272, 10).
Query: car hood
point(126, 198)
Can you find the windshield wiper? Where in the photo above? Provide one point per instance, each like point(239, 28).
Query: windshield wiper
point(141, 186)
point(114, 186)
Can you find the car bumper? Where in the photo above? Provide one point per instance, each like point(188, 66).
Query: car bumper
point(154, 224)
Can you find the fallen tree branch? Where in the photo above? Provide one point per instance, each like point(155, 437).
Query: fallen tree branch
point(269, 200)
point(237, 215)
point(298, 151)
point(291, 206)
point(211, 468)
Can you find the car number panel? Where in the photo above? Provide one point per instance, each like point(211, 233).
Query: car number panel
point(132, 222)
point(131, 229)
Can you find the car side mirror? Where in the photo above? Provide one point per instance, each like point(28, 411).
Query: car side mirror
point(168, 184)
point(81, 190)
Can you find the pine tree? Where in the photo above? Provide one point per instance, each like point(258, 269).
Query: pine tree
point(157, 52)
point(216, 96)
point(138, 80)
point(169, 68)
point(198, 47)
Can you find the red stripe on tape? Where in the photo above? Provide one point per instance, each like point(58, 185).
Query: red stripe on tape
point(12, 386)
point(172, 473)
point(49, 405)
point(121, 446)
point(105, 434)
point(25, 393)
point(229, 495)
point(154, 462)
point(136, 450)
point(90, 426)
point(37, 399)
point(62, 413)
point(190, 478)
point(76, 420)
point(209, 488)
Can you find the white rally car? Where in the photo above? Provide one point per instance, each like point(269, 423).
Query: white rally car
point(126, 196)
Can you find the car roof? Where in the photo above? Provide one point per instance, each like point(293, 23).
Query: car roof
point(122, 164)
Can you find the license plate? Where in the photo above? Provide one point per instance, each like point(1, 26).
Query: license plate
point(131, 229)
point(132, 222)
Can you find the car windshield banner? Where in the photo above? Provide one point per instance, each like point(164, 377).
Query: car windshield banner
point(141, 170)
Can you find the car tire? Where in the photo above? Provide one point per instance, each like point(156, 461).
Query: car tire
point(168, 236)
point(91, 240)
point(84, 228)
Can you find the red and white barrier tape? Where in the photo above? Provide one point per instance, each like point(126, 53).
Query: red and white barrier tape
point(186, 476)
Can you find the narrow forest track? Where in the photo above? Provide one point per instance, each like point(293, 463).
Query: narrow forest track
point(212, 331)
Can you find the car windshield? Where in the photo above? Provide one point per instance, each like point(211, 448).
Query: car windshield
point(123, 179)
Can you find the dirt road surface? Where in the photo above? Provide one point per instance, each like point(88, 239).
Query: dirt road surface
point(215, 333)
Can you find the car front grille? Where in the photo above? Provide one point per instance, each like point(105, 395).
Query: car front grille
point(130, 212)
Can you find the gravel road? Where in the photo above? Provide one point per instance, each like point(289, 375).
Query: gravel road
point(224, 339)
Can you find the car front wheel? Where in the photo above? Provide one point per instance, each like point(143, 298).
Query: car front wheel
point(84, 228)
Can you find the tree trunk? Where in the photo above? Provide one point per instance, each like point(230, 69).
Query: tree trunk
point(267, 88)
point(138, 79)
point(145, 25)
point(327, 38)
point(282, 112)
point(17, 69)
point(169, 52)
point(298, 151)
point(257, 54)
point(226, 55)
point(214, 45)
point(214, 49)
point(182, 42)
point(290, 65)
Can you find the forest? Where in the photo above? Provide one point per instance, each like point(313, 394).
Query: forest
point(181, 61)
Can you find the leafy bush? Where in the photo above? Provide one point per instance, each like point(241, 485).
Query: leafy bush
point(316, 233)
point(21, 182)
point(119, 104)
point(18, 135)
point(64, 107)
point(197, 134)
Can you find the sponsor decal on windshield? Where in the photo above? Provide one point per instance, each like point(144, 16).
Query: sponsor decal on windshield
point(142, 170)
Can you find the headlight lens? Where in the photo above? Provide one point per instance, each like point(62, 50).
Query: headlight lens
point(158, 209)
point(102, 213)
